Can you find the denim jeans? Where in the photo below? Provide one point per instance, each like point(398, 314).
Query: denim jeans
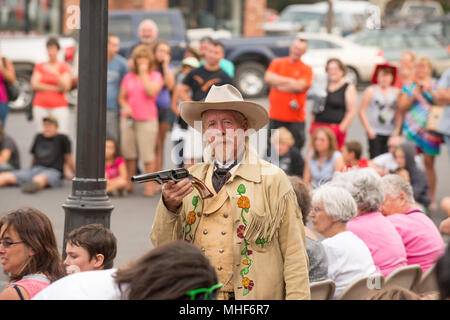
point(4, 110)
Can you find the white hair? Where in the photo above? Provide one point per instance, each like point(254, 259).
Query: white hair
point(150, 23)
point(394, 184)
point(337, 202)
point(365, 186)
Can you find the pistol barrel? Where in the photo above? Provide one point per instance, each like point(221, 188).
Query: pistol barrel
point(162, 176)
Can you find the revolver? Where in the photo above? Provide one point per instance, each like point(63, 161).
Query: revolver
point(174, 175)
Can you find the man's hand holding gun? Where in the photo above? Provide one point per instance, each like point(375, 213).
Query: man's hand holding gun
point(177, 184)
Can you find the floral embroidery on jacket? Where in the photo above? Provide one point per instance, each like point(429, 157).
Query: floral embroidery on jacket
point(244, 204)
point(191, 217)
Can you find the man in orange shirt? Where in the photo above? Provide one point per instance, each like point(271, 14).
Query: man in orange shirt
point(289, 79)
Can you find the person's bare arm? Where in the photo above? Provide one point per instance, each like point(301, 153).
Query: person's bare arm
point(185, 93)
point(351, 105)
point(307, 173)
point(274, 79)
point(338, 164)
point(169, 76)
point(367, 96)
point(123, 173)
point(5, 155)
point(398, 121)
point(175, 99)
point(69, 161)
point(124, 106)
point(7, 69)
point(64, 82)
point(11, 294)
point(293, 86)
point(151, 88)
point(404, 102)
point(442, 96)
point(37, 85)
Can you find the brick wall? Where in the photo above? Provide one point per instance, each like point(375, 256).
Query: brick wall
point(155, 4)
point(254, 17)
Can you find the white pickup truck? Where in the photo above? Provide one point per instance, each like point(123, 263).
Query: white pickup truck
point(25, 51)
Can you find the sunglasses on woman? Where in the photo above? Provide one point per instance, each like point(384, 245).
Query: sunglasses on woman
point(205, 293)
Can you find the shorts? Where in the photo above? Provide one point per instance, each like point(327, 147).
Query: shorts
point(165, 115)
point(138, 138)
point(53, 176)
point(378, 146)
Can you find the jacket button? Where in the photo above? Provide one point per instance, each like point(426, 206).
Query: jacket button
point(205, 232)
point(219, 268)
point(221, 250)
point(223, 233)
point(225, 215)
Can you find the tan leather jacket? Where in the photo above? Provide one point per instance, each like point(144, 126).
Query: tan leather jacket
point(270, 260)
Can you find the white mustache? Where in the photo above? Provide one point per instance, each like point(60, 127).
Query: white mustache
point(221, 140)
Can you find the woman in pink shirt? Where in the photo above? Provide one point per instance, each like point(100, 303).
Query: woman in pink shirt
point(28, 251)
point(377, 232)
point(423, 242)
point(139, 114)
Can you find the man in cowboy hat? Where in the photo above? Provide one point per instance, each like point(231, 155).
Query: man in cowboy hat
point(251, 229)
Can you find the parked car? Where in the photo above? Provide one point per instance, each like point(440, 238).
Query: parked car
point(395, 41)
point(424, 9)
point(349, 16)
point(360, 61)
point(437, 26)
point(409, 13)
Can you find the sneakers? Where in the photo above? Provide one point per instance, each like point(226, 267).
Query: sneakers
point(31, 187)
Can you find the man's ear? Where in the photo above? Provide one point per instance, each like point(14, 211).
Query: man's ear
point(98, 261)
point(245, 124)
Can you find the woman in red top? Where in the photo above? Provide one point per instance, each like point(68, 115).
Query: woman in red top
point(51, 80)
point(29, 253)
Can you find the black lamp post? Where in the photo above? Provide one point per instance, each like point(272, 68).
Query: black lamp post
point(89, 202)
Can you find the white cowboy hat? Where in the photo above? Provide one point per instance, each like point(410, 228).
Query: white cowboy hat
point(225, 97)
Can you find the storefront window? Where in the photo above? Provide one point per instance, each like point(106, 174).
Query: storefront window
point(43, 16)
point(215, 14)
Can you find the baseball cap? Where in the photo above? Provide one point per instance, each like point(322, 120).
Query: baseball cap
point(191, 61)
point(51, 119)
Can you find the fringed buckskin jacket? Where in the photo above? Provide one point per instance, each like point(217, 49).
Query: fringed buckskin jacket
point(268, 241)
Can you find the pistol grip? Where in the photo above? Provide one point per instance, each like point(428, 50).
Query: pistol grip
point(201, 187)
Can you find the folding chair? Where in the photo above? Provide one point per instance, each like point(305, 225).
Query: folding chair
point(406, 277)
point(428, 282)
point(363, 287)
point(322, 290)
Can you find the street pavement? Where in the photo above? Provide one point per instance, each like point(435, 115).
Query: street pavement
point(133, 215)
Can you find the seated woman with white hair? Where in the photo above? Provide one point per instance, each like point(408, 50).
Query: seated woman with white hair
point(348, 257)
point(423, 242)
point(377, 232)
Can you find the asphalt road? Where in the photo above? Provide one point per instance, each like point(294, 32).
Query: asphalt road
point(132, 217)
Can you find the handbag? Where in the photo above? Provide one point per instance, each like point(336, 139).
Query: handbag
point(12, 91)
point(434, 117)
